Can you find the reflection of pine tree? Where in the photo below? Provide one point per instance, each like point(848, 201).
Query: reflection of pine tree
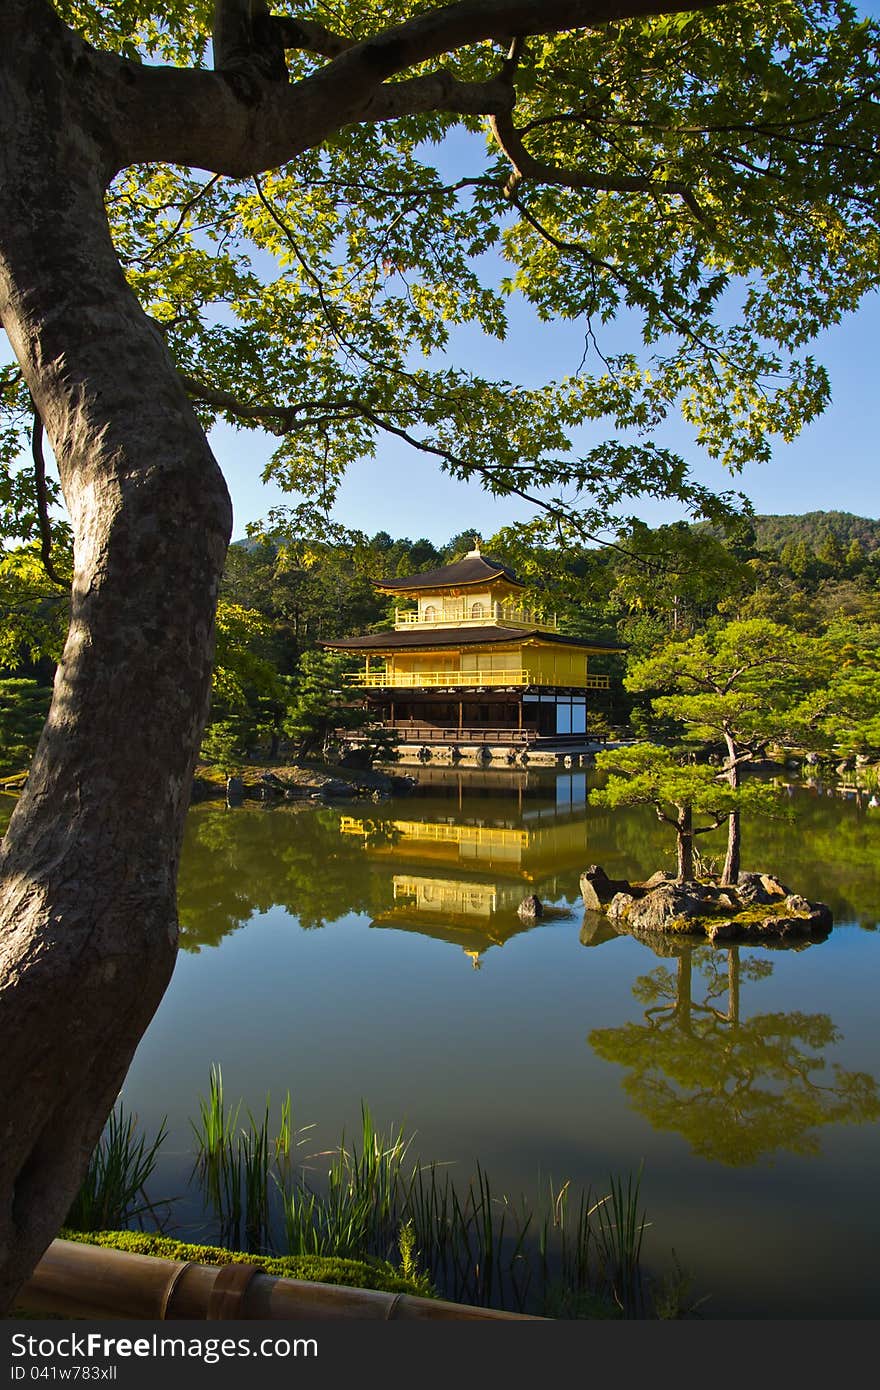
point(735, 1089)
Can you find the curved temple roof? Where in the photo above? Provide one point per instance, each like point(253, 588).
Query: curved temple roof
point(462, 637)
point(473, 569)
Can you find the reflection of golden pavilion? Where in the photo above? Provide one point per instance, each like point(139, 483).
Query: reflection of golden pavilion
point(469, 914)
point(463, 882)
point(528, 851)
point(449, 896)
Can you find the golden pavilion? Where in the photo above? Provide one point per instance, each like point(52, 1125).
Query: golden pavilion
point(468, 664)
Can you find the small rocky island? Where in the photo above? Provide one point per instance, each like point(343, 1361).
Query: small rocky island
point(757, 908)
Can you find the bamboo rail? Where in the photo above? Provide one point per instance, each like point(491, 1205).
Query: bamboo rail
point(93, 1282)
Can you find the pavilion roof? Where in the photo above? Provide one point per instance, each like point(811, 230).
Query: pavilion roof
point(473, 569)
point(462, 637)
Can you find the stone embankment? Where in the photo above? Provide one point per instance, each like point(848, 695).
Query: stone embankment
point(757, 908)
point(301, 784)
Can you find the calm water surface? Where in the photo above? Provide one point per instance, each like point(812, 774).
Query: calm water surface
point(374, 952)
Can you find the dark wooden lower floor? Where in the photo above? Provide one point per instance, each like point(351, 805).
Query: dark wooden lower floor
point(430, 733)
point(482, 716)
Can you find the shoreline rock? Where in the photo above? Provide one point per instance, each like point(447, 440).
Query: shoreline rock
point(299, 783)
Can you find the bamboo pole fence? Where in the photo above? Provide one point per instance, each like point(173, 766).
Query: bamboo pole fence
point(89, 1281)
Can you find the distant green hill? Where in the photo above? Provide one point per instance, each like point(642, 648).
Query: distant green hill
point(774, 532)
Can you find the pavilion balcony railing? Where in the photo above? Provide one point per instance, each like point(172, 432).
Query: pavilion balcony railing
point(483, 733)
point(456, 678)
point(466, 614)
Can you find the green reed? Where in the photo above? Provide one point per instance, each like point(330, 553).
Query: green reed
point(369, 1198)
point(113, 1193)
point(621, 1230)
point(253, 1147)
point(238, 1167)
point(215, 1132)
point(567, 1240)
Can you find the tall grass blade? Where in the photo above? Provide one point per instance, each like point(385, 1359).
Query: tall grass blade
point(113, 1190)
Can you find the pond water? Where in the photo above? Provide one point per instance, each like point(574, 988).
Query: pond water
point(373, 952)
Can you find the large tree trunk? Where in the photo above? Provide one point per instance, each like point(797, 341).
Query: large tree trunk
point(730, 872)
point(88, 925)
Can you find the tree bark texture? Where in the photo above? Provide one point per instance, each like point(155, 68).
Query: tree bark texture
point(730, 872)
point(685, 847)
point(88, 924)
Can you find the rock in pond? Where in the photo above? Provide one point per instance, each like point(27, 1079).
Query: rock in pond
point(530, 909)
point(597, 888)
point(671, 906)
point(760, 888)
point(620, 905)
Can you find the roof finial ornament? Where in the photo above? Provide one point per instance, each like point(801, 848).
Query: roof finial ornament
point(475, 553)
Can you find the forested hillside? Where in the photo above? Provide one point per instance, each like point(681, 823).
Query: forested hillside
point(282, 595)
point(814, 529)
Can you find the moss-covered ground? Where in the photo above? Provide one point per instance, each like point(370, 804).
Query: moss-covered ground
point(316, 1269)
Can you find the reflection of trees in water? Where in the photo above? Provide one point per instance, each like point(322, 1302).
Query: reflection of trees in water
point(240, 863)
point(735, 1089)
point(632, 844)
point(829, 850)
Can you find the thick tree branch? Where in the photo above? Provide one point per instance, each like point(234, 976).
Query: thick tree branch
point(216, 130)
point(212, 121)
point(247, 45)
point(310, 36)
point(437, 91)
point(440, 31)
